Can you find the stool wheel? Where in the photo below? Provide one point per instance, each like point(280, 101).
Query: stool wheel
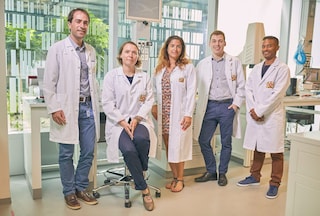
point(127, 204)
point(96, 194)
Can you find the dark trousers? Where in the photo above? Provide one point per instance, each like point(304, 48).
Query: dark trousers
point(217, 113)
point(136, 154)
point(277, 167)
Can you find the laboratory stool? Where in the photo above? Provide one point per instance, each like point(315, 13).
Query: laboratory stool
point(125, 179)
point(299, 118)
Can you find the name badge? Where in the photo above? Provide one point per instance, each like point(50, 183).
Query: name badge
point(143, 97)
point(181, 79)
point(270, 84)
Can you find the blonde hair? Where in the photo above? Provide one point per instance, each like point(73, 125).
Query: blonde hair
point(163, 59)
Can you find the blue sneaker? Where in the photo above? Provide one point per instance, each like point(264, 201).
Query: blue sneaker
point(248, 181)
point(272, 192)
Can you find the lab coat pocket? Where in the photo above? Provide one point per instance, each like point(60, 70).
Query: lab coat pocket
point(181, 83)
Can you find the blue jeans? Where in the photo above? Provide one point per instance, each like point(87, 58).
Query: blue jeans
point(217, 113)
point(72, 179)
point(136, 154)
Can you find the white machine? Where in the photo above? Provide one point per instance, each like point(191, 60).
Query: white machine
point(143, 12)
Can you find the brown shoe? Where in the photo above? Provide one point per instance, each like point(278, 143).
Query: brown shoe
point(72, 202)
point(148, 201)
point(86, 197)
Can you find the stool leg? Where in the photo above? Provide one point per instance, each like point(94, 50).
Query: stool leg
point(127, 202)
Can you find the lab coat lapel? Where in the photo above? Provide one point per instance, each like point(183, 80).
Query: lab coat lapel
point(267, 74)
point(209, 73)
point(270, 70)
point(229, 70)
point(136, 81)
point(121, 74)
point(70, 49)
point(88, 54)
point(137, 78)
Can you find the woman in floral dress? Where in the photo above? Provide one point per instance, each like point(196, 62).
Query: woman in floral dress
point(174, 91)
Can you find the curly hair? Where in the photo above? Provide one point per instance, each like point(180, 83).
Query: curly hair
point(163, 59)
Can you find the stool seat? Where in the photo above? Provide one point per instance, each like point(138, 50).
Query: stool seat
point(300, 117)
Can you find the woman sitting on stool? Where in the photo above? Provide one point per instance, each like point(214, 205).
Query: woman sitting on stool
point(127, 100)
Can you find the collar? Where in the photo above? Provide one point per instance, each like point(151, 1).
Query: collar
point(75, 46)
point(218, 59)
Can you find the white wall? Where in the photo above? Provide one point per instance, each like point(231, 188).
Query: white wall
point(234, 17)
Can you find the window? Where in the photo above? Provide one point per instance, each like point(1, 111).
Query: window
point(32, 26)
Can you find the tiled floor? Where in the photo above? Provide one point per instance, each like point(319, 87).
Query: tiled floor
point(205, 199)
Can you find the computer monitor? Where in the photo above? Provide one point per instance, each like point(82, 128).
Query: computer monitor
point(144, 10)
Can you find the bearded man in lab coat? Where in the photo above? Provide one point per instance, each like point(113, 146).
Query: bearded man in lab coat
point(265, 90)
point(71, 93)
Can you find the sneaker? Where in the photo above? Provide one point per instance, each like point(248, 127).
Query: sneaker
point(248, 181)
point(86, 197)
point(72, 202)
point(272, 192)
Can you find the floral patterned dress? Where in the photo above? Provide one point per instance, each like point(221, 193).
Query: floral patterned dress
point(166, 101)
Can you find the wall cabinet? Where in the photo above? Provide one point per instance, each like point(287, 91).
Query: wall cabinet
point(303, 189)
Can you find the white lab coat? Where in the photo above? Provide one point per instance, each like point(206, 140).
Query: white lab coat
point(121, 101)
point(236, 84)
point(61, 89)
point(183, 89)
point(266, 97)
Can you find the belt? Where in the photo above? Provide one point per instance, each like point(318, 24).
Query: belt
point(83, 99)
point(222, 101)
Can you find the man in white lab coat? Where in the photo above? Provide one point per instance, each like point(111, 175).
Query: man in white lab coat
point(265, 89)
point(220, 83)
point(71, 93)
